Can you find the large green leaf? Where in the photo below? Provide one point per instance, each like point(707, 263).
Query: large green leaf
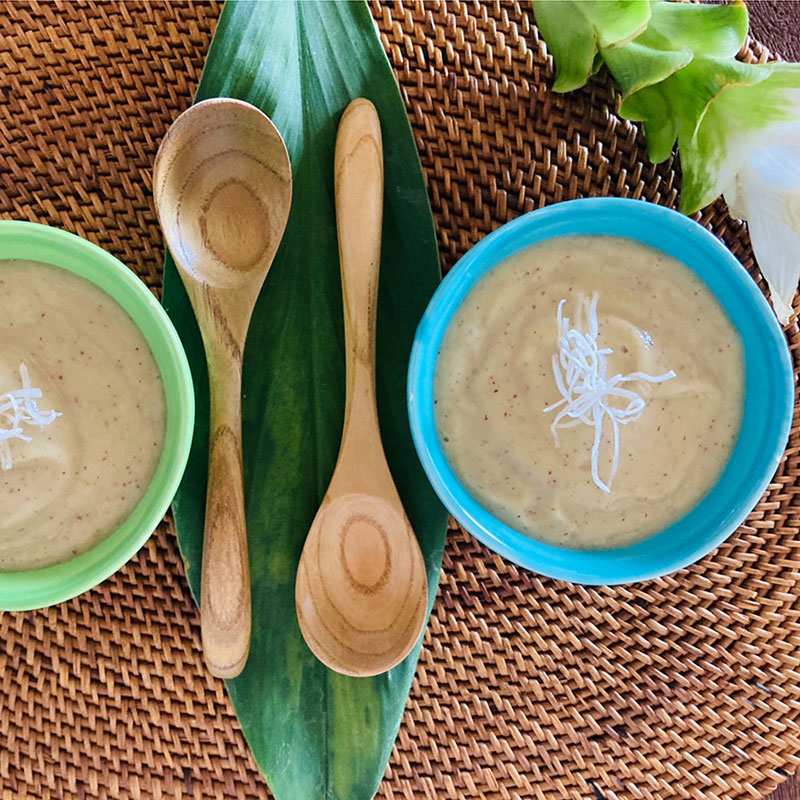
point(315, 734)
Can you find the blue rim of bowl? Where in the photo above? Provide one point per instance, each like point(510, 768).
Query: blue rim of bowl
point(29, 589)
point(766, 419)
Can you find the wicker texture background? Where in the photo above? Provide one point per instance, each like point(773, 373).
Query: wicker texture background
point(683, 687)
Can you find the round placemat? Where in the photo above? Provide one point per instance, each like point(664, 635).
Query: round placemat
point(682, 687)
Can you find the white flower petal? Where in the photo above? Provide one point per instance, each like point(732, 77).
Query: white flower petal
point(766, 193)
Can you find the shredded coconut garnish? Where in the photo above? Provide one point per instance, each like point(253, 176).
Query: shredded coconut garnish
point(588, 395)
point(19, 408)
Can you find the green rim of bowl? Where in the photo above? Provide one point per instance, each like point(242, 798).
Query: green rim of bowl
point(25, 590)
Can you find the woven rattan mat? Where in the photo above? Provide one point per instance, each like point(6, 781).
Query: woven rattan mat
point(687, 686)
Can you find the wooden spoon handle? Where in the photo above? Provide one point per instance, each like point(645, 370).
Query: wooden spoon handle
point(358, 175)
point(225, 610)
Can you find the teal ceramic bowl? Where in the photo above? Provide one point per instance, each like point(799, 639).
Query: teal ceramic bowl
point(31, 589)
point(768, 402)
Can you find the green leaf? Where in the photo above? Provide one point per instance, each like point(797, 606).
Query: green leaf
point(636, 65)
point(574, 29)
point(709, 31)
point(674, 107)
point(315, 734)
point(732, 123)
point(573, 46)
point(616, 22)
point(643, 42)
point(675, 34)
point(654, 108)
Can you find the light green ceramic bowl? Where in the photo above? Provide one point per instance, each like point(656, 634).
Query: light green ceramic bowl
point(31, 589)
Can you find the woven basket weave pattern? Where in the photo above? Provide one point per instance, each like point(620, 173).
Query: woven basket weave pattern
point(686, 686)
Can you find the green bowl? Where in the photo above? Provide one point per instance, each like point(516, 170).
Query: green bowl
point(25, 590)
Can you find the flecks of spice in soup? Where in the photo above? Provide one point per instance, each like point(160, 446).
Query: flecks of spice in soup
point(494, 378)
point(83, 474)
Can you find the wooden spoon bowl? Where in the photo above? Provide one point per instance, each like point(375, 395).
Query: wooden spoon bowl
point(223, 183)
point(362, 599)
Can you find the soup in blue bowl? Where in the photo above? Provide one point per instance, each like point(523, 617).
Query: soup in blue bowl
point(599, 391)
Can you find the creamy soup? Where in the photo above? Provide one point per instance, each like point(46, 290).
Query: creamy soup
point(671, 346)
point(83, 472)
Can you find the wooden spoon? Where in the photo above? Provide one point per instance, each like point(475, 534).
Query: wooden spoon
point(223, 186)
point(361, 590)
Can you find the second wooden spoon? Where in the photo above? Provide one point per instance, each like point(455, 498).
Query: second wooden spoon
point(361, 590)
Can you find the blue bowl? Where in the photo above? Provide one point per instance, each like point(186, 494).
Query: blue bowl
point(768, 398)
